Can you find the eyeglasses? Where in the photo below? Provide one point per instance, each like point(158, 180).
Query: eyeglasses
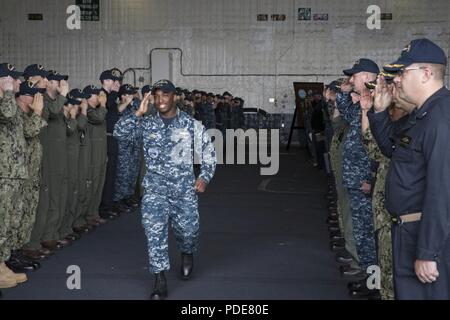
point(401, 72)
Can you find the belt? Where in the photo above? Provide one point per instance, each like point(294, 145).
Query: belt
point(411, 217)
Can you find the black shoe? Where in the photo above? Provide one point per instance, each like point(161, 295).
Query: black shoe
point(131, 204)
point(344, 258)
point(350, 272)
point(160, 288)
point(332, 220)
point(356, 285)
point(73, 236)
point(339, 242)
point(108, 215)
point(333, 223)
point(187, 263)
point(333, 228)
point(335, 235)
point(365, 293)
point(19, 266)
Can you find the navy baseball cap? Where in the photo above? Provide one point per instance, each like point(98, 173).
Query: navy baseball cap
point(333, 85)
point(146, 89)
point(127, 89)
point(418, 51)
point(28, 88)
point(7, 69)
point(53, 75)
point(362, 65)
point(35, 70)
point(164, 85)
point(77, 94)
point(111, 75)
point(91, 90)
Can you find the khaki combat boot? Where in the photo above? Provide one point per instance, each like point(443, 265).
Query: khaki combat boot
point(18, 277)
point(6, 281)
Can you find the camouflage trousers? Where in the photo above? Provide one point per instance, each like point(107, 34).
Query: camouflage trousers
point(127, 170)
point(343, 201)
point(30, 203)
point(363, 231)
point(385, 263)
point(157, 210)
point(11, 212)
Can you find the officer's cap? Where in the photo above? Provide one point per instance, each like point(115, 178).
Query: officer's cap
point(7, 69)
point(362, 65)
point(418, 51)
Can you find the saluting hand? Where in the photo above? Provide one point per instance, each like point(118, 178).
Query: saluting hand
point(38, 104)
point(143, 107)
point(73, 112)
point(6, 84)
point(63, 88)
point(346, 86)
point(84, 106)
point(102, 99)
point(366, 100)
point(426, 271)
point(383, 96)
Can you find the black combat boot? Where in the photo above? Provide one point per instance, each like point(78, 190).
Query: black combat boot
point(187, 263)
point(160, 288)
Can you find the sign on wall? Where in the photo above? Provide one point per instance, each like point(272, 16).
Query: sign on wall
point(90, 10)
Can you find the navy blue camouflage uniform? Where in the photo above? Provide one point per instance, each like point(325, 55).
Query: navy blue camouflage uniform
point(169, 192)
point(356, 169)
point(128, 160)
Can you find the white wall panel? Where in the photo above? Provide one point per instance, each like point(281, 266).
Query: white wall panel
point(218, 37)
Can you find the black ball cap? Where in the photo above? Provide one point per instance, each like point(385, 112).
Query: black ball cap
point(164, 85)
point(7, 69)
point(77, 94)
point(91, 90)
point(146, 89)
point(35, 70)
point(127, 89)
point(113, 74)
point(362, 65)
point(28, 88)
point(53, 75)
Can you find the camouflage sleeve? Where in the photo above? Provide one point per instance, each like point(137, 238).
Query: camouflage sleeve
point(32, 125)
point(204, 147)
point(54, 108)
point(371, 146)
point(128, 128)
point(82, 122)
point(71, 126)
point(338, 124)
point(344, 105)
point(8, 107)
point(96, 115)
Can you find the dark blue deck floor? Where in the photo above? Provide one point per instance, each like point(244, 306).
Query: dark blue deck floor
point(262, 238)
